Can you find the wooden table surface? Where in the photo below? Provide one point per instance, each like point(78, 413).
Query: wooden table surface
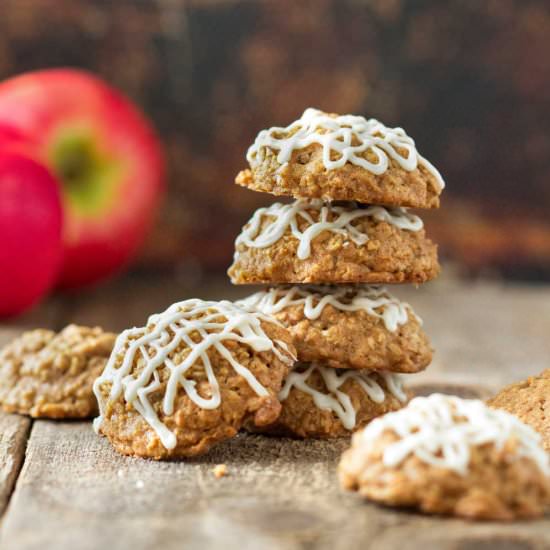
point(63, 487)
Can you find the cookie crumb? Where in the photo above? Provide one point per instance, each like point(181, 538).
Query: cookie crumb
point(140, 484)
point(219, 471)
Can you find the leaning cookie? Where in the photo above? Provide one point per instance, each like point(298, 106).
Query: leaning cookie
point(347, 157)
point(49, 375)
point(446, 455)
point(354, 326)
point(529, 400)
point(191, 378)
point(321, 402)
point(313, 242)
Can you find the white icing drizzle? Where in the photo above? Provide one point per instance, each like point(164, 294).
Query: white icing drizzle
point(285, 216)
point(440, 430)
point(344, 138)
point(215, 323)
point(336, 400)
point(376, 301)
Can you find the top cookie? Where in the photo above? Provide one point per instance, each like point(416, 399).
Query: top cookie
point(341, 157)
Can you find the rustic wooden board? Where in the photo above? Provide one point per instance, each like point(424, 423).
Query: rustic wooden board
point(483, 333)
point(14, 430)
point(75, 491)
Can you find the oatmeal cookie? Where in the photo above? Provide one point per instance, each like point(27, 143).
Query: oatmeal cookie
point(332, 157)
point(191, 378)
point(356, 327)
point(529, 400)
point(321, 402)
point(446, 455)
point(312, 242)
point(49, 375)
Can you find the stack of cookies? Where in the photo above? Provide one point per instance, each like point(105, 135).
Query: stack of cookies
point(348, 228)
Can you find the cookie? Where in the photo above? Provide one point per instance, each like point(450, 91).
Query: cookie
point(529, 400)
point(49, 375)
point(190, 378)
point(321, 402)
point(446, 455)
point(333, 157)
point(357, 327)
point(313, 242)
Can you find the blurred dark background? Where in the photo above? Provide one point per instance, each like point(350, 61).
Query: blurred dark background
point(470, 81)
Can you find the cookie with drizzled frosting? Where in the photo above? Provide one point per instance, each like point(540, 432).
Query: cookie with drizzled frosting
point(322, 402)
point(342, 157)
point(446, 455)
point(309, 241)
point(191, 378)
point(348, 326)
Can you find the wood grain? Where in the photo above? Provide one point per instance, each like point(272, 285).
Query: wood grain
point(14, 430)
point(76, 492)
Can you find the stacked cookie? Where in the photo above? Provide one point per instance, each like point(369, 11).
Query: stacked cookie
point(351, 180)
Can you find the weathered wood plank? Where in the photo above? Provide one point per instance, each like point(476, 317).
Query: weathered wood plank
point(14, 431)
point(483, 333)
point(74, 491)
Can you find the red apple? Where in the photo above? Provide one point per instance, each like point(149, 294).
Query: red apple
point(31, 218)
point(106, 157)
point(11, 137)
